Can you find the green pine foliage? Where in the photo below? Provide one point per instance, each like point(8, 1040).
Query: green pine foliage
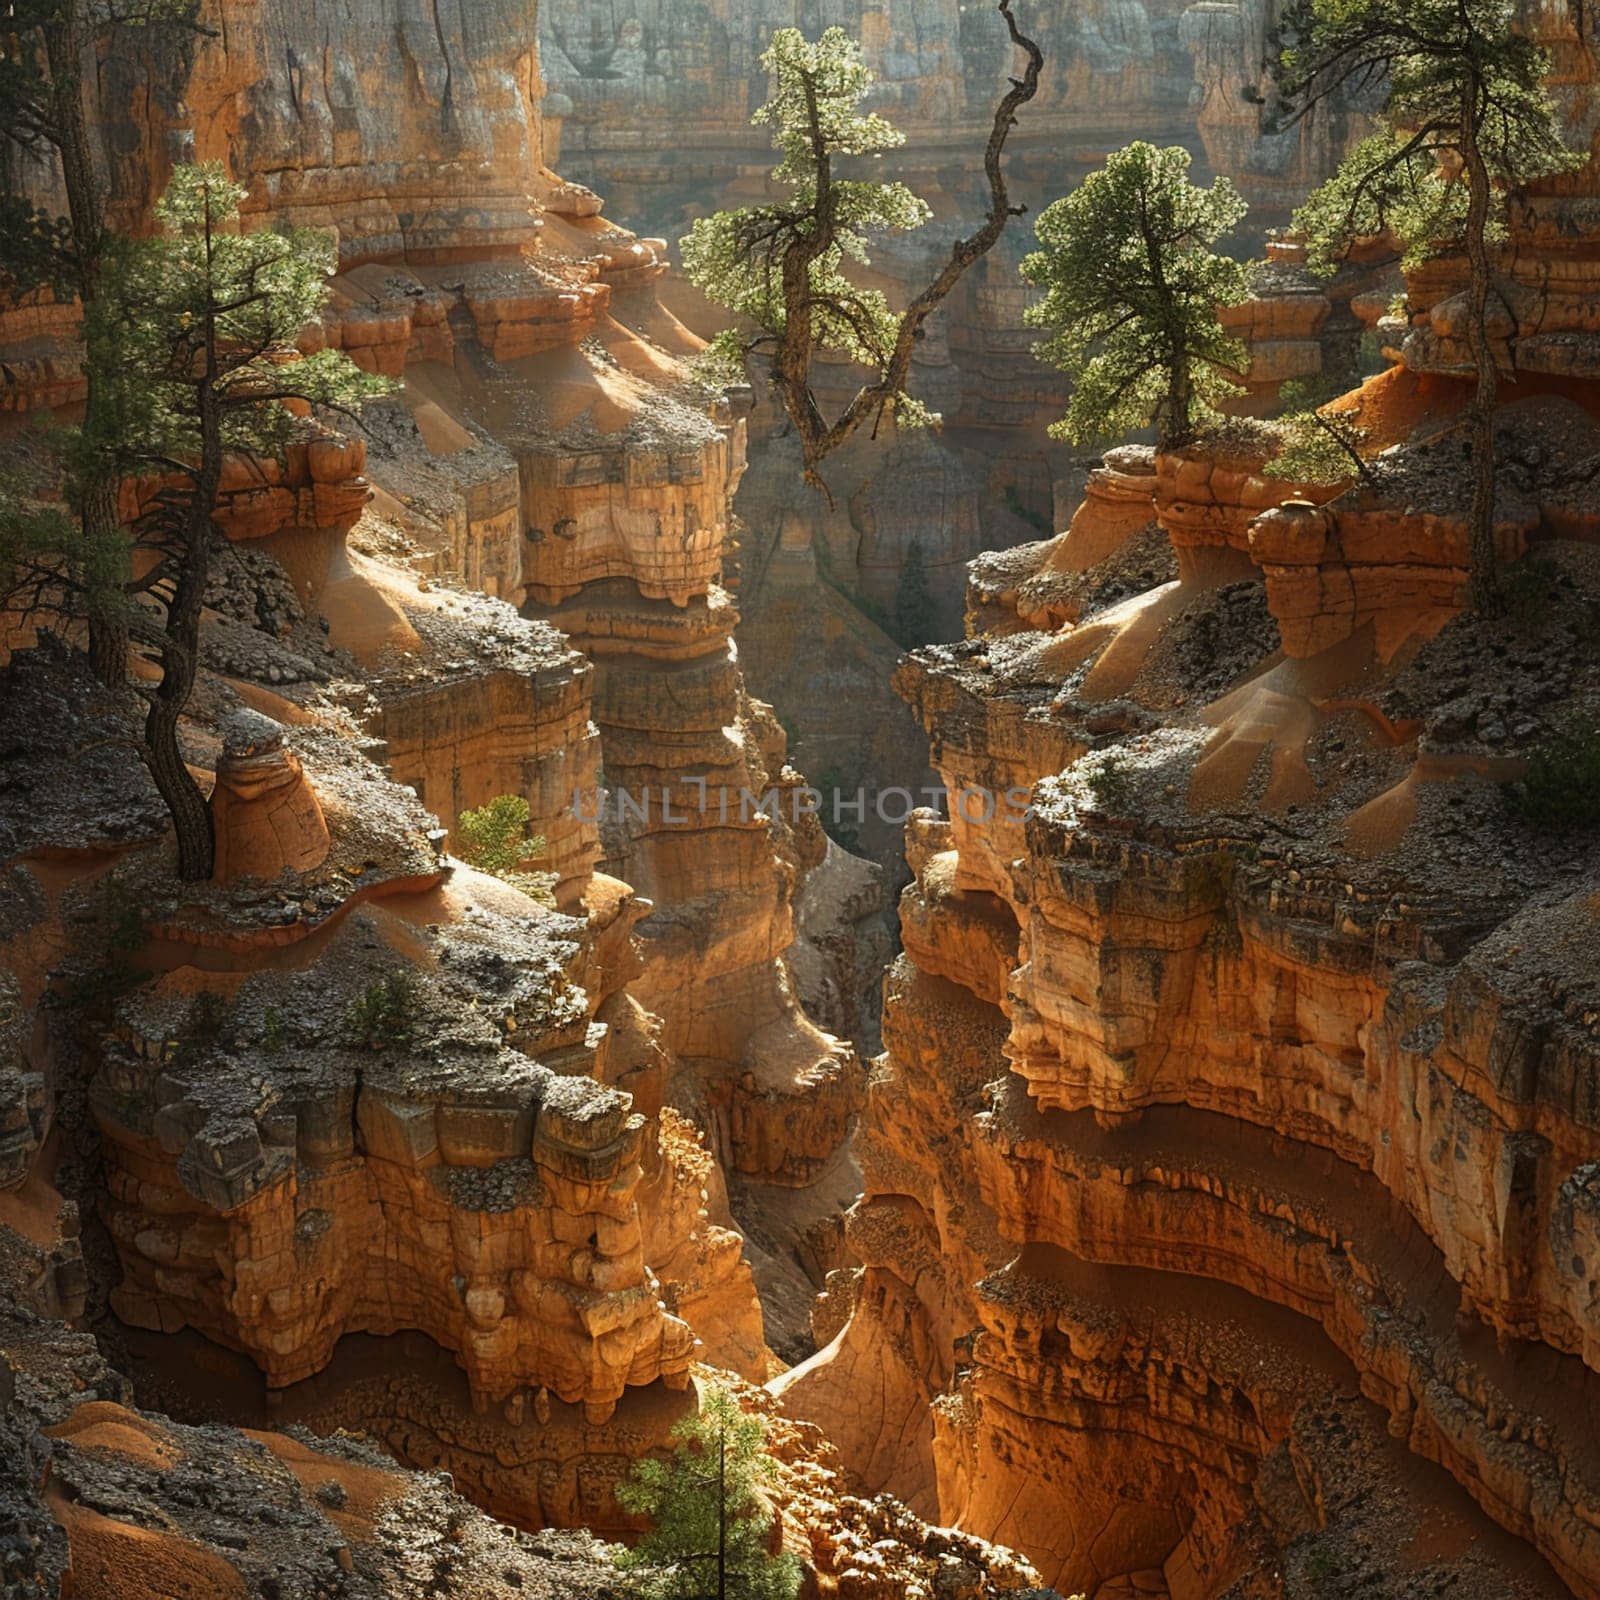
point(1451, 73)
point(195, 334)
point(1132, 290)
point(205, 315)
point(788, 268)
point(710, 1523)
point(737, 258)
point(1385, 185)
point(1317, 449)
point(53, 566)
point(1560, 790)
point(48, 47)
point(494, 838)
point(1464, 118)
point(43, 118)
point(383, 1016)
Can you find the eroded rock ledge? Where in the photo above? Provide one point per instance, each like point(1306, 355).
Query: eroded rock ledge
point(1234, 1143)
point(411, 1142)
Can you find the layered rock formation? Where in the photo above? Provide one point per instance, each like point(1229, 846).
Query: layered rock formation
point(1259, 1027)
point(653, 101)
point(545, 449)
point(351, 1090)
point(109, 1502)
point(1229, 1215)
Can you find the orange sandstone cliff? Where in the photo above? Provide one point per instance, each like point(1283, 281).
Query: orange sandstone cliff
point(366, 1117)
point(1228, 1222)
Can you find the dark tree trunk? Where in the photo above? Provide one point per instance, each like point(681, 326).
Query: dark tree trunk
point(67, 44)
point(191, 815)
point(1483, 584)
point(1177, 426)
point(722, 1514)
point(790, 364)
point(108, 626)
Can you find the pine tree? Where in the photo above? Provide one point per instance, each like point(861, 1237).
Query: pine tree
point(781, 266)
point(913, 600)
point(710, 1522)
point(48, 45)
point(1465, 117)
point(494, 838)
point(1131, 296)
point(197, 326)
point(53, 562)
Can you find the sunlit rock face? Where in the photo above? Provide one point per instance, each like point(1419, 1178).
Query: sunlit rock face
point(413, 128)
point(1229, 1218)
point(1549, 281)
point(1245, 1104)
point(544, 455)
point(1234, 1142)
point(650, 101)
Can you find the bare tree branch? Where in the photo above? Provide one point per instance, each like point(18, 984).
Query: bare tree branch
point(791, 361)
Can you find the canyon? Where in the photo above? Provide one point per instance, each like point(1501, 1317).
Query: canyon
point(1194, 1191)
point(650, 103)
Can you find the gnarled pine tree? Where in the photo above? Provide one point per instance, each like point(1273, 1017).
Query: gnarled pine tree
point(1132, 289)
point(782, 267)
point(1466, 117)
point(203, 320)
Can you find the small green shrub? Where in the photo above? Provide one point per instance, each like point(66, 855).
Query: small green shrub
point(384, 1016)
point(710, 1517)
point(1109, 784)
point(1310, 394)
point(1320, 1564)
point(274, 1035)
point(1560, 791)
point(874, 611)
point(1317, 449)
point(494, 838)
point(913, 601)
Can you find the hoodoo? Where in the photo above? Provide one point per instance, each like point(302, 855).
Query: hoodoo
point(475, 674)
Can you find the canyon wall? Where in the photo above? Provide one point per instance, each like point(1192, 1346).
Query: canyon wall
point(1226, 1226)
point(1165, 70)
point(651, 102)
point(350, 1089)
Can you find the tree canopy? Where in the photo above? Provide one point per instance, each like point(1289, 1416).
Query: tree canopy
point(738, 258)
point(495, 839)
point(201, 322)
point(710, 1523)
point(783, 267)
point(1454, 83)
point(1464, 117)
point(1132, 290)
point(195, 329)
point(48, 47)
